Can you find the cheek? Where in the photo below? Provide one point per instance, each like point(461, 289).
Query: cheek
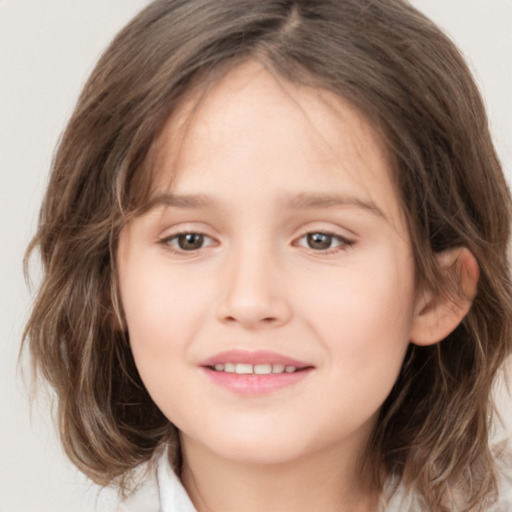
point(162, 321)
point(363, 322)
point(162, 313)
point(364, 314)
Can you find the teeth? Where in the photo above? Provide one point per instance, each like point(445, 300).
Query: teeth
point(243, 368)
point(258, 369)
point(262, 369)
point(229, 368)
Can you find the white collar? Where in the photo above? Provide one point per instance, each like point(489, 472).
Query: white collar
point(173, 496)
point(162, 491)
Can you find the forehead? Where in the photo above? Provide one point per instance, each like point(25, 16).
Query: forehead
point(267, 128)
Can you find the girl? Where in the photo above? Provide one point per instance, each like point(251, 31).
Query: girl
point(276, 277)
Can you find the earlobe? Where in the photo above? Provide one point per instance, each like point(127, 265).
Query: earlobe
point(435, 317)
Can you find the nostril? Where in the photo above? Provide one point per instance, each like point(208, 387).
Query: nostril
point(266, 320)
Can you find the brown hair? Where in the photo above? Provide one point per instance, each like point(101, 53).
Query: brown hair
point(410, 81)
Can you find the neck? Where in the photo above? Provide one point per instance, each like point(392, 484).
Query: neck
point(326, 480)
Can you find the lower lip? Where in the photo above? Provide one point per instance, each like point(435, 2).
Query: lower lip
point(253, 384)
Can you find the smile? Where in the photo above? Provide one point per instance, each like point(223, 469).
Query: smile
point(257, 369)
point(253, 373)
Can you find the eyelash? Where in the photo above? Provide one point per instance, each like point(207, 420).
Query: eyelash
point(343, 244)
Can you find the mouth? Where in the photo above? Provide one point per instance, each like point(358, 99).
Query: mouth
point(252, 373)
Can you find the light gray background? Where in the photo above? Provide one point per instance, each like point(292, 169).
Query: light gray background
point(47, 48)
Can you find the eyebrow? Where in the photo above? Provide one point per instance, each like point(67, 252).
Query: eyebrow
point(310, 200)
point(188, 201)
point(301, 201)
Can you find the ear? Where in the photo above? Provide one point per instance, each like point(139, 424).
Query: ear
point(435, 317)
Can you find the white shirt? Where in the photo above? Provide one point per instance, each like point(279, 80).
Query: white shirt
point(162, 491)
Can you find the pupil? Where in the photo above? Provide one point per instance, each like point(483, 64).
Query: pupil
point(319, 240)
point(190, 241)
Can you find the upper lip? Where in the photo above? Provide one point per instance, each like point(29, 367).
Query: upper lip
point(253, 357)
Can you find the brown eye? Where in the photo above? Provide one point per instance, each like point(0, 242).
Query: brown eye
point(187, 242)
point(319, 241)
point(324, 243)
point(190, 241)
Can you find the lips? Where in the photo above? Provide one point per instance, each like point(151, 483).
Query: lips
point(254, 372)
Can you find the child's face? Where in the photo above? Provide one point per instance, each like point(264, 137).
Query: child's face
point(301, 257)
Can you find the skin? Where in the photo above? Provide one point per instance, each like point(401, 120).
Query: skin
point(252, 144)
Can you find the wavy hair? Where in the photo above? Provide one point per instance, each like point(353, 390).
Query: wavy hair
point(409, 80)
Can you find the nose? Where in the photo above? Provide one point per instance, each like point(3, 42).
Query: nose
point(254, 293)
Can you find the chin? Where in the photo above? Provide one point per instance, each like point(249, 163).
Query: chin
point(255, 448)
